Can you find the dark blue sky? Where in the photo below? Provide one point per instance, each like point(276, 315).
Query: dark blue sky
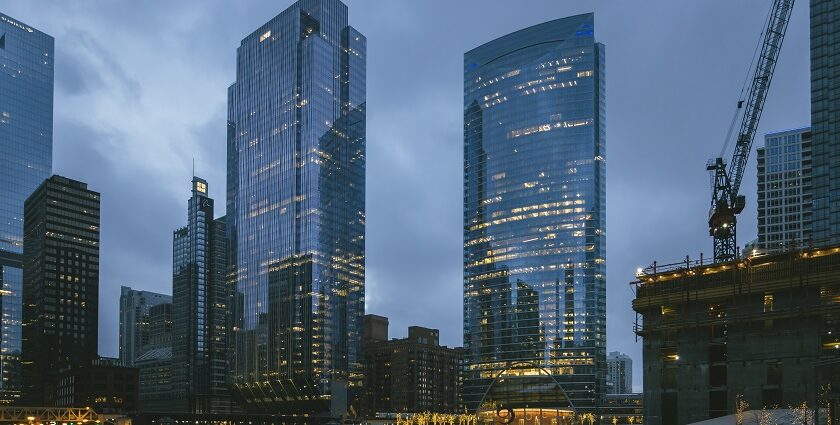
point(141, 91)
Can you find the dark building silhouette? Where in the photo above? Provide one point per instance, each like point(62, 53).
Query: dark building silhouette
point(199, 309)
point(376, 328)
point(413, 374)
point(155, 381)
point(764, 327)
point(104, 386)
point(61, 284)
point(154, 364)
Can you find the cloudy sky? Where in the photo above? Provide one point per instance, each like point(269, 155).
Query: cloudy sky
point(141, 91)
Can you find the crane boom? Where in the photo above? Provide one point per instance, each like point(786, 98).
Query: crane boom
point(727, 203)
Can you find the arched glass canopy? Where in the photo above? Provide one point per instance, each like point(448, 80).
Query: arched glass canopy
point(525, 394)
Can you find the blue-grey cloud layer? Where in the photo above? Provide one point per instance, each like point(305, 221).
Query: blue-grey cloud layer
point(141, 91)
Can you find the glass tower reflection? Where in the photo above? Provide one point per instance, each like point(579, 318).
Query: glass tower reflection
point(296, 209)
point(26, 118)
point(534, 208)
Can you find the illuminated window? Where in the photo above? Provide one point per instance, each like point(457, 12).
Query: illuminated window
point(265, 36)
point(768, 303)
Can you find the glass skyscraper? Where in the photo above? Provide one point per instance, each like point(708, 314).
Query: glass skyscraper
point(534, 210)
point(296, 210)
point(825, 120)
point(200, 308)
point(26, 119)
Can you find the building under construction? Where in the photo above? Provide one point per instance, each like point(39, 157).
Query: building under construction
point(764, 329)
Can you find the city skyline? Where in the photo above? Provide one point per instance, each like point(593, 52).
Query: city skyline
point(629, 180)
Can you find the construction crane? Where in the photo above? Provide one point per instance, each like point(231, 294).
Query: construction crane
point(726, 202)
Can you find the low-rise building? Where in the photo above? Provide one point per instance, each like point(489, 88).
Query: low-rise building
point(155, 380)
point(104, 386)
point(622, 409)
point(413, 374)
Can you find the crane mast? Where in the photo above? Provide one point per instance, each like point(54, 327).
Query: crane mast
point(727, 203)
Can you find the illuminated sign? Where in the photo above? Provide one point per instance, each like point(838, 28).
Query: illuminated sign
point(201, 187)
point(15, 24)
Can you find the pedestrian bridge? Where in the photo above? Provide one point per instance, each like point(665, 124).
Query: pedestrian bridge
point(52, 415)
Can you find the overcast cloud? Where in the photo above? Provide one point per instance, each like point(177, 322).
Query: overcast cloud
point(141, 92)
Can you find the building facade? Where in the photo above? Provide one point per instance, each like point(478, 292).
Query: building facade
point(622, 409)
point(296, 210)
point(785, 194)
point(199, 308)
point(60, 285)
point(154, 363)
point(135, 326)
point(619, 373)
point(825, 120)
point(764, 328)
point(154, 368)
point(409, 375)
point(106, 387)
point(159, 324)
point(534, 209)
point(26, 118)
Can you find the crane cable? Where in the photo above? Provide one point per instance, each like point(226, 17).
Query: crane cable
point(738, 109)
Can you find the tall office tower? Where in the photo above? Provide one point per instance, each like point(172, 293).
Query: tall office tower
point(199, 308)
point(135, 328)
point(26, 118)
point(619, 373)
point(825, 120)
point(296, 209)
point(534, 209)
point(784, 191)
point(60, 284)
